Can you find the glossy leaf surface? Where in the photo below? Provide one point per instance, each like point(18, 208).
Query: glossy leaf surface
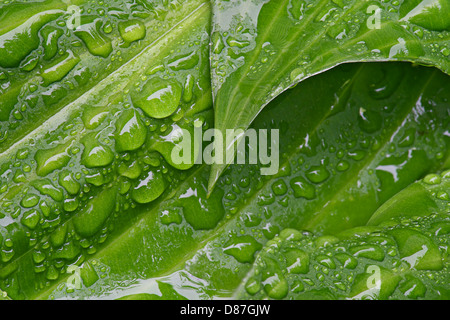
point(204, 247)
point(261, 48)
point(93, 204)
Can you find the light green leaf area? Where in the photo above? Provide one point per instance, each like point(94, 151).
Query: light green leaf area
point(261, 48)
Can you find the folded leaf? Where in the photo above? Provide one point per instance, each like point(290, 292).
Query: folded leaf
point(204, 247)
point(102, 159)
point(94, 205)
point(261, 48)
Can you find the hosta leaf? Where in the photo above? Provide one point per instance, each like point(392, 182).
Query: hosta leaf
point(261, 48)
point(101, 159)
point(204, 247)
point(93, 204)
point(54, 51)
point(404, 259)
point(402, 254)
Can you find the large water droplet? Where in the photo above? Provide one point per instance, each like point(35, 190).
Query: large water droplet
point(130, 131)
point(200, 212)
point(92, 217)
point(302, 188)
point(94, 153)
point(149, 188)
point(59, 68)
point(419, 251)
point(368, 251)
point(31, 219)
point(68, 182)
point(297, 261)
point(50, 43)
point(184, 62)
point(317, 174)
point(132, 30)
point(49, 160)
point(97, 43)
point(159, 98)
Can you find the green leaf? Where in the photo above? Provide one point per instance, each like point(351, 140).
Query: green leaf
point(403, 256)
point(48, 61)
point(93, 204)
point(261, 48)
point(204, 247)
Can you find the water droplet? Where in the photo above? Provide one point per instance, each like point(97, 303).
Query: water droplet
point(184, 62)
point(342, 166)
point(58, 237)
point(94, 153)
point(368, 251)
point(29, 200)
point(252, 286)
point(369, 121)
point(200, 212)
point(107, 27)
point(408, 138)
point(59, 68)
point(131, 171)
point(297, 261)
point(171, 215)
point(279, 187)
point(93, 116)
point(71, 205)
point(148, 188)
point(413, 288)
point(52, 159)
point(242, 248)
point(347, 260)
point(159, 98)
point(130, 131)
point(20, 41)
point(274, 283)
point(302, 188)
point(91, 218)
point(217, 43)
point(69, 183)
point(419, 251)
point(97, 43)
point(432, 179)
point(317, 174)
point(132, 30)
point(31, 219)
point(326, 261)
point(233, 42)
point(47, 188)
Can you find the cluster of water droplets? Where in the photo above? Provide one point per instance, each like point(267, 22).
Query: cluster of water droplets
point(57, 52)
point(299, 265)
point(63, 194)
